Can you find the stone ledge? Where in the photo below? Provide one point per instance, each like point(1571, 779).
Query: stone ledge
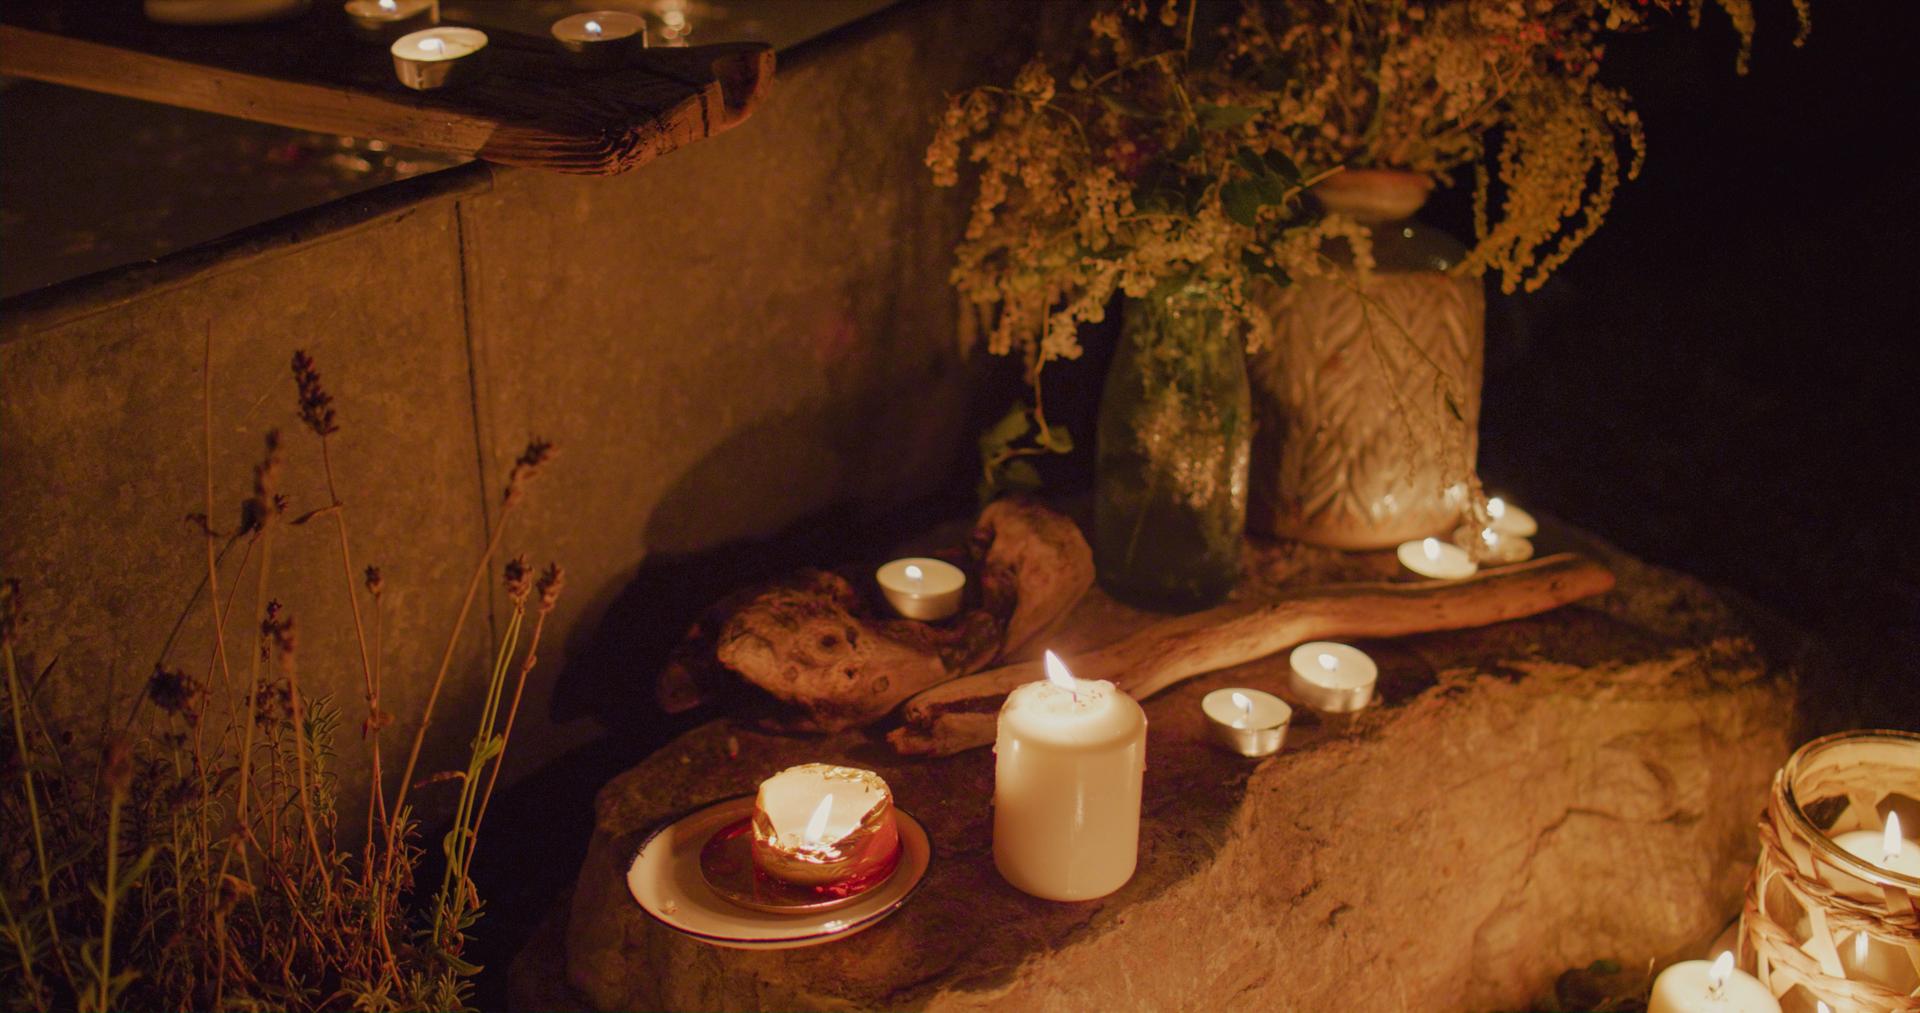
point(1529, 797)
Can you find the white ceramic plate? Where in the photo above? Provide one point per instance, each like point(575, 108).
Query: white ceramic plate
point(665, 878)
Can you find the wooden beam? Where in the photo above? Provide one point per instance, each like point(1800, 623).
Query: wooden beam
point(533, 110)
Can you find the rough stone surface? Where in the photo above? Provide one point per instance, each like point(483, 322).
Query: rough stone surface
point(1529, 797)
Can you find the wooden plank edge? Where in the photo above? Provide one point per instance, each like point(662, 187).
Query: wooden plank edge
point(42, 309)
point(96, 66)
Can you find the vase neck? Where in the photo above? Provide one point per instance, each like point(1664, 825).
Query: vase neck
point(1373, 195)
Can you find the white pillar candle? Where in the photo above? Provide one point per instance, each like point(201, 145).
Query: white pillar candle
point(922, 588)
point(1331, 678)
point(601, 38)
point(439, 57)
point(1068, 764)
point(1696, 986)
point(1511, 520)
point(1247, 721)
point(1431, 557)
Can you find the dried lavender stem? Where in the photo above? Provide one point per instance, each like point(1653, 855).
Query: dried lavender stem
point(15, 701)
point(506, 733)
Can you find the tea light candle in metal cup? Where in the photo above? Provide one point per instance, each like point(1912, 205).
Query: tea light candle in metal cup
point(1332, 678)
point(601, 38)
point(386, 19)
point(819, 824)
point(1431, 557)
point(1511, 520)
point(1494, 547)
point(440, 57)
point(922, 588)
point(1247, 721)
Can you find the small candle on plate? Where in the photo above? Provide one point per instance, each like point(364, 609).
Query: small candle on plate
point(387, 18)
point(1431, 557)
point(1497, 547)
point(1247, 721)
point(1697, 986)
point(601, 38)
point(1511, 520)
point(1068, 764)
point(1332, 678)
point(819, 824)
point(922, 588)
point(439, 57)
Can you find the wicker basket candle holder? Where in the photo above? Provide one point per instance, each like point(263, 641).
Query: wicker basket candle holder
point(1833, 910)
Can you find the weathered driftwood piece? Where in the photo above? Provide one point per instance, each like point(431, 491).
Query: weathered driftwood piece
point(1042, 556)
point(834, 654)
point(960, 714)
point(531, 110)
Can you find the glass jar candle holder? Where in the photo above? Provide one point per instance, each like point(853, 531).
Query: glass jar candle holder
point(1824, 923)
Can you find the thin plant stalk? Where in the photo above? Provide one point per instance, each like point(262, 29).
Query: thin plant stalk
point(453, 880)
point(367, 669)
point(440, 678)
point(527, 662)
point(300, 772)
point(16, 706)
point(109, 896)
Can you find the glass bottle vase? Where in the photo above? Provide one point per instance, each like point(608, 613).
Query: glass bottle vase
point(1175, 431)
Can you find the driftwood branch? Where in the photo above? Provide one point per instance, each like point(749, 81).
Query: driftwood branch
point(961, 714)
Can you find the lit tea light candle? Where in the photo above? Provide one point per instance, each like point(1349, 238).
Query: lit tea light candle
point(1068, 764)
point(601, 38)
point(1498, 547)
point(1511, 520)
point(439, 57)
point(1885, 848)
point(1431, 557)
point(1247, 721)
point(922, 588)
point(1332, 678)
point(386, 18)
point(822, 825)
point(1696, 986)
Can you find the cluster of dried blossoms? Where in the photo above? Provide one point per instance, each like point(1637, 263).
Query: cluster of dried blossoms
point(1138, 170)
point(1510, 87)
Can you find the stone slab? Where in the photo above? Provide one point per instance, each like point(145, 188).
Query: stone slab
point(1528, 797)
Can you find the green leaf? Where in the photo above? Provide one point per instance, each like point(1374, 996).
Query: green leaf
point(1282, 166)
point(1604, 966)
point(1240, 199)
point(1214, 117)
point(1020, 476)
point(1124, 107)
point(999, 436)
point(1249, 161)
point(1057, 439)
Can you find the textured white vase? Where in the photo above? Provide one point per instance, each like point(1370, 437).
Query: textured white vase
point(1367, 401)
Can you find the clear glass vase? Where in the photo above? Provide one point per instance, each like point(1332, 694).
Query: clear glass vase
point(1175, 430)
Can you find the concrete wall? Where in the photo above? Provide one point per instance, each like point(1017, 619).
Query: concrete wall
point(752, 331)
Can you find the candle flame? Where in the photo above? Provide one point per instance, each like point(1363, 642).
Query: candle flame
point(1891, 842)
point(1242, 701)
point(915, 574)
point(1821, 1007)
point(817, 823)
point(433, 45)
point(1721, 970)
point(1057, 673)
point(389, 6)
point(1496, 508)
point(1431, 547)
point(1329, 662)
point(592, 27)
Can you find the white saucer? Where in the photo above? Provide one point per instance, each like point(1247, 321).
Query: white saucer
point(665, 878)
